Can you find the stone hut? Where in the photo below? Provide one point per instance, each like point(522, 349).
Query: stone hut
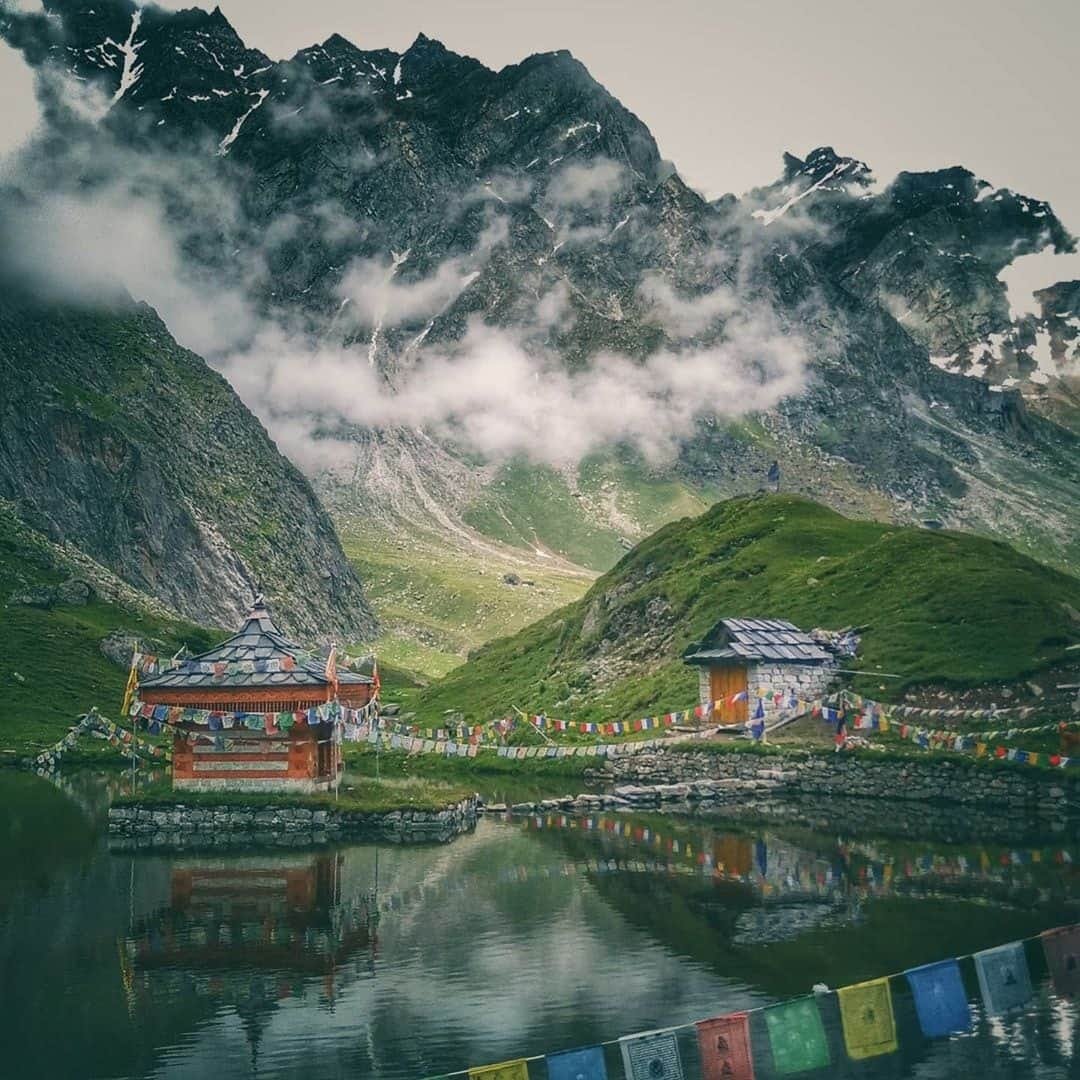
point(748, 659)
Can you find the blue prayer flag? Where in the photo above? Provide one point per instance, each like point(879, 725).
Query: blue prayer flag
point(1003, 978)
point(940, 1000)
point(586, 1064)
point(759, 712)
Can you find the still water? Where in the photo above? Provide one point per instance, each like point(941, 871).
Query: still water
point(524, 937)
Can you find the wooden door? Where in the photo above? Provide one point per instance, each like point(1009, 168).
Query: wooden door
point(723, 683)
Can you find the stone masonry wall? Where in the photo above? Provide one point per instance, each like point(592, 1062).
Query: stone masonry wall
point(179, 827)
point(804, 680)
point(671, 776)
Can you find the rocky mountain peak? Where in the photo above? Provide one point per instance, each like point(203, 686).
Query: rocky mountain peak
point(823, 164)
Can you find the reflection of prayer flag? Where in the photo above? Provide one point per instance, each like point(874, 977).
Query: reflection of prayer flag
point(796, 1036)
point(724, 1045)
point(940, 1000)
point(507, 1070)
point(587, 1064)
point(1062, 948)
point(866, 1014)
point(653, 1055)
point(1003, 978)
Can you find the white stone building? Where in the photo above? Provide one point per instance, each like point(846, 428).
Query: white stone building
point(756, 659)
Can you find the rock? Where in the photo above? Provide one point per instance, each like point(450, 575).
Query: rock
point(74, 592)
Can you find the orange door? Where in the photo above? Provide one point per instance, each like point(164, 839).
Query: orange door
point(723, 683)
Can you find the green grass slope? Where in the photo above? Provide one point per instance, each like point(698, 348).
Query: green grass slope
point(935, 606)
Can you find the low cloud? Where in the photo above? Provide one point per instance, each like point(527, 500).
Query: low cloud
point(500, 399)
point(21, 113)
point(586, 184)
point(687, 316)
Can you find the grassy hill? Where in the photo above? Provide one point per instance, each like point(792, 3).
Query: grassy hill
point(934, 606)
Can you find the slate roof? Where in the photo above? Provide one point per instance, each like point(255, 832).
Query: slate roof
point(258, 639)
point(757, 639)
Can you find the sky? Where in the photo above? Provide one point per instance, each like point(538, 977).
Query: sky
point(727, 85)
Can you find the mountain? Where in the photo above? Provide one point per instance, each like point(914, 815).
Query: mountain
point(930, 248)
point(931, 607)
point(117, 441)
point(626, 351)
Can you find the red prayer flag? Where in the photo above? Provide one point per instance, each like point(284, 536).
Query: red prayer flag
point(724, 1045)
point(1062, 948)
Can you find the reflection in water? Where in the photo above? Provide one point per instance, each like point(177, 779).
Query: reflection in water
point(526, 936)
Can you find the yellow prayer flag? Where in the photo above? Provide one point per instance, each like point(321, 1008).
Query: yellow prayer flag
point(1033, 759)
point(507, 1070)
point(866, 1014)
point(883, 724)
point(129, 690)
point(980, 749)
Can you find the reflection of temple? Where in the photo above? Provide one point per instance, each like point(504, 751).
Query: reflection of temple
point(251, 932)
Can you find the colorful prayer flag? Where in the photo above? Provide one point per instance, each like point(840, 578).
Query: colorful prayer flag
point(866, 1015)
point(724, 1046)
point(1062, 948)
point(796, 1036)
point(506, 1070)
point(940, 1000)
point(1004, 979)
point(585, 1064)
point(652, 1055)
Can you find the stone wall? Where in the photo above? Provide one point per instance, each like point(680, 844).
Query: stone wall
point(806, 681)
point(692, 777)
point(180, 827)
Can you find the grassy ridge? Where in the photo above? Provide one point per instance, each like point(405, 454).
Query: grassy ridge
point(934, 606)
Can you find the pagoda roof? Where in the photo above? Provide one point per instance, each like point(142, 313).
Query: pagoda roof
point(259, 642)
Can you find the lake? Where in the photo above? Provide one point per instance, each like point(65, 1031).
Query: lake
point(527, 936)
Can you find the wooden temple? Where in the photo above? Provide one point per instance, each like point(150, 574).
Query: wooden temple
point(256, 713)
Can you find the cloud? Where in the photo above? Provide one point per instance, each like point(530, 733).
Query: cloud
point(1026, 274)
point(379, 294)
point(686, 317)
point(496, 397)
point(591, 185)
point(21, 112)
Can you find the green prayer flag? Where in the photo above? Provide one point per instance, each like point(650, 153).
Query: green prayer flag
point(796, 1036)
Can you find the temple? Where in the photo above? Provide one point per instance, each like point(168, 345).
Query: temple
point(256, 713)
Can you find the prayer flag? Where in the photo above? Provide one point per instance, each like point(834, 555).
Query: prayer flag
point(331, 668)
point(866, 1014)
point(1062, 948)
point(796, 1036)
point(653, 1055)
point(940, 1000)
point(507, 1070)
point(724, 1046)
point(1003, 978)
point(132, 686)
point(586, 1064)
